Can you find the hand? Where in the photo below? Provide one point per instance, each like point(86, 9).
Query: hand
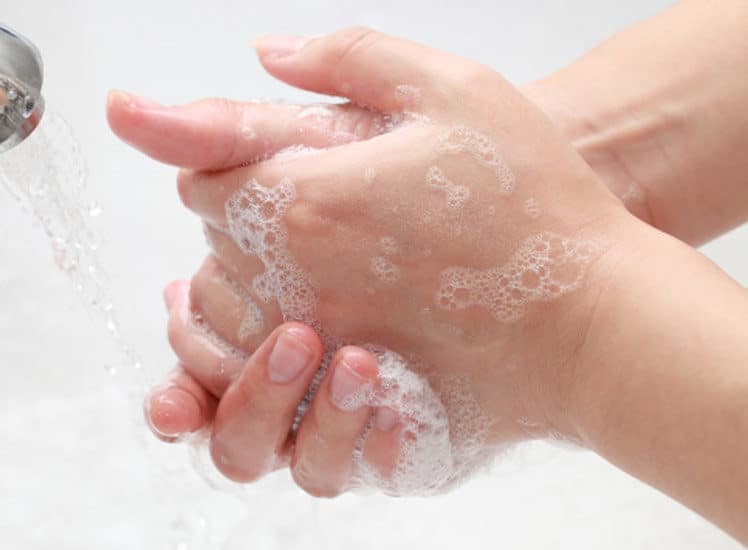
point(353, 238)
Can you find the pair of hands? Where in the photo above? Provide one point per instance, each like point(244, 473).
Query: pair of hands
point(448, 220)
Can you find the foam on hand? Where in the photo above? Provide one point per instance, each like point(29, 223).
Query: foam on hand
point(431, 456)
point(462, 139)
point(385, 270)
point(456, 194)
point(544, 267)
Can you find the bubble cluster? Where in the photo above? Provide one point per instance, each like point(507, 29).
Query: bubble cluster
point(430, 460)
point(544, 267)
point(457, 195)
point(462, 139)
point(385, 270)
point(432, 455)
point(254, 215)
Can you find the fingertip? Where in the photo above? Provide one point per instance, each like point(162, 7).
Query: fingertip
point(303, 334)
point(272, 47)
point(117, 107)
point(174, 412)
point(359, 360)
point(174, 292)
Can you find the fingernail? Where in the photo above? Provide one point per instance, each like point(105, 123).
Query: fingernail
point(385, 419)
point(133, 101)
point(170, 295)
point(347, 387)
point(288, 358)
point(274, 46)
point(175, 292)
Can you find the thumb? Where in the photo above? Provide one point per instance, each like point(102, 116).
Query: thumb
point(214, 134)
point(368, 67)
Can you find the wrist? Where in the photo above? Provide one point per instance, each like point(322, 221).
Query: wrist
point(617, 142)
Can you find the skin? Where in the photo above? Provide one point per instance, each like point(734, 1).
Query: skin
point(646, 403)
point(641, 116)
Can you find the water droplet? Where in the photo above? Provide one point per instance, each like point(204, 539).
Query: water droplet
point(94, 210)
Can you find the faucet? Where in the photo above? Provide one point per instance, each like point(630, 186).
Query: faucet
point(21, 76)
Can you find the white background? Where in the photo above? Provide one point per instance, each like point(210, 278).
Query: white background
point(75, 473)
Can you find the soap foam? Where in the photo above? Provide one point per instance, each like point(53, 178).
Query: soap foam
point(432, 456)
point(385, 270)
point(254, 216)
point(462, 139)
point(457, 195)
point(544, 267)
point(438, 448)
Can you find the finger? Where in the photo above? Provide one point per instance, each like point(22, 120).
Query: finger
point(233, 312)
point(212, 365)
point(313, 175)
point(256, 413)
point(243, 267)
point(381, 447)
point(179, 406)
point(329, 432)
point(213, 134)
point(368, 67)
point(173, 290)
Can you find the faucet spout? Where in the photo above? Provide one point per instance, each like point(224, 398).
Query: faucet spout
point(21, 77)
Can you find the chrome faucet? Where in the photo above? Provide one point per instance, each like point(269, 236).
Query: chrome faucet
point(21, 76)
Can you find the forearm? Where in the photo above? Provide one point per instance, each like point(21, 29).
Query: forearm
point(660, 111)
point(662, 386)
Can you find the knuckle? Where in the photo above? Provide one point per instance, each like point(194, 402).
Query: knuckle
point(349, 45)
point(229, 111)
point(471, 75)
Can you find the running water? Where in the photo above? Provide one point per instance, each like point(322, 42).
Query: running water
point(46, 174)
